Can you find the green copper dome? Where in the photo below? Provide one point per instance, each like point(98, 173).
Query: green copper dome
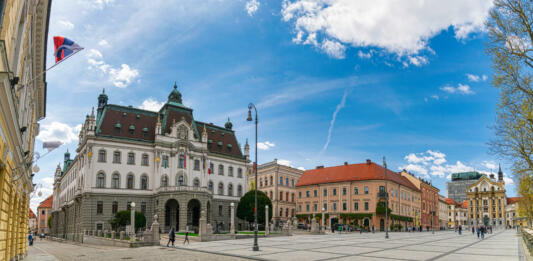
point(175, 95)
point(228, 125)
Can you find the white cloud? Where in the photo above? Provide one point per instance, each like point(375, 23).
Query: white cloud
point(100, 4)
point(285, 162)
point(123, 77)
point(252, 6)
point(472, 77)
point(398, 27)
point(120, 77)
point(65, 24)
point(432, 163)
point(490, 165)
point(333, 49)
point(332, 123)
point(301, 168)
point(103, 43)
point(265, 145)
point(435, 97)
point(363, 55)
point(418, 60)
point(151, 105)
point(460, 89)
point(58, 131)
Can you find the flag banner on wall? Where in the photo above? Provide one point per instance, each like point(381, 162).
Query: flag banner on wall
point(64, 48)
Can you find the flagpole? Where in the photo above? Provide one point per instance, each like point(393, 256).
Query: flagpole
point(43, 72)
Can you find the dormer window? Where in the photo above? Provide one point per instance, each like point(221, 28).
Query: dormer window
point(229, 147)
point(118, 127)
point(138, 116)
point(219, 143)
point(132, 129)
point(124, 115)
point(145, 132)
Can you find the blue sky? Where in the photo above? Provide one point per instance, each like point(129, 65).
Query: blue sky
point(334, 81)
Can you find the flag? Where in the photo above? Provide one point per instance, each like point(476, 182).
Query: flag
point(64, 48)
point(209, 169)
point(184, 161)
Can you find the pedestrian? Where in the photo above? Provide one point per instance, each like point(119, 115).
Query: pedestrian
point(361, 230)
point(483, 232)
point(171, 237)
point(340, 229)
point(186, 238)
point(491, 229)
point(473, 230)
point(30, 239)
point(372, 229)
point(460, 230)
point(477, 230)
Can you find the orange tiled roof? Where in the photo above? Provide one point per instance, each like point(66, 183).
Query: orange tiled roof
point(352, 172)
point(47, 203)
point(512, 200)
point(465, 204)
point(32, 215)
point(450, 201)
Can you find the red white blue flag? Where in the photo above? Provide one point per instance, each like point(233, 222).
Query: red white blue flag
point(64, 48)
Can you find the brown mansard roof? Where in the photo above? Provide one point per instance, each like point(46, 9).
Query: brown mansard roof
point(352, 172)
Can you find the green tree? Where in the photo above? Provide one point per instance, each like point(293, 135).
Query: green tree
point(511, 48)
point(380, 209)
point(245, 209)
point(525, 205)
point(49, 222)
point(123, 218)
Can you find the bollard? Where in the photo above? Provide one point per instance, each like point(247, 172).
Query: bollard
point(121, 235)
point(113, 235)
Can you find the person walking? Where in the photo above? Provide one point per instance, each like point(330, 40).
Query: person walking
point(171, 237)
point(473, 230)
point(30, 239)
point(460, 229)
point(491, 229)
point(186, 238)
point(340, 229)
point(483, 232)
point(477, 230)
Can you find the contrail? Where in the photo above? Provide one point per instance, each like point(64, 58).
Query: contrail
point(332, 123)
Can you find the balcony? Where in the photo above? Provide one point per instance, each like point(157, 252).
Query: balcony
point(183, 189)
point(383, 195)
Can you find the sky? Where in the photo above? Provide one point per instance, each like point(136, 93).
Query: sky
point(334, 81)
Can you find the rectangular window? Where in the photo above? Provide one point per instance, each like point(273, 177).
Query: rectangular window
point(220, 210)
point(287, 182)
point(343, 191)
point(116, 157)
point(196, 164)
point(355, 191)
point(344, 206)
point(299, 194)
point(281, 180)
point(307, 207)
point(356, 206)
point(315, 207)
point(165, 161)
point(325, 192)
point(101, 156)
point(143, 207)
point(366, 190)
point(381, 188)
point(334, 192)
point(334, 206)
point(114, 208)
point(325, 206)
point(99, 207)
point(144, 160)
point(366, 205)
point(299, 208)
point(315, 193)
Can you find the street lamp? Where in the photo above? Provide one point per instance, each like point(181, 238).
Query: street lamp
point(432, 212)
point(132, 222)
point(250, 106)
point(386, 201)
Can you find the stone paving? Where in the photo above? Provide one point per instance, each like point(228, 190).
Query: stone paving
point(501, 246)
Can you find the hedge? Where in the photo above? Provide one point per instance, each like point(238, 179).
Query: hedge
point(355, 215)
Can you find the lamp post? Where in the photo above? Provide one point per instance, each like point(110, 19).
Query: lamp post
point(386, 201)
point(250, 106)
point(322, 228)
point(132, 225)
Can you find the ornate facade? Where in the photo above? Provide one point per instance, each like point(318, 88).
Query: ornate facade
point(487, 201)
point(23, 37)
point(166, 162)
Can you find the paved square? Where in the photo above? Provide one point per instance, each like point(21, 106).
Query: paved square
point(447, 245)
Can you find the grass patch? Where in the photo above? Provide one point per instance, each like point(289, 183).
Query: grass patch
point(250, 232)
point(190, 234)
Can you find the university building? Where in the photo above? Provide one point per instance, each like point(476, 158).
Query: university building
point(166, 162)
point(23, 39)
point(278, 182)
point(350, 193)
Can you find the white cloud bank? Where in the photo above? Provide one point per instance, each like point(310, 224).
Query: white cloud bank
point(151, 105)
point(476, 78)
point(288, 163)
point(58, 131)
point(265, 145)
point(460, 89)
point(120, 77)
point(65, 24)
point(397, 27)
point(251, 7)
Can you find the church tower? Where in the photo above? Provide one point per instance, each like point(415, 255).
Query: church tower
point(500, 173)
point(102, 102)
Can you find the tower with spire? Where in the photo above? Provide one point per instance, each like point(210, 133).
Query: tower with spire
point(500, 173)
point(102, 102)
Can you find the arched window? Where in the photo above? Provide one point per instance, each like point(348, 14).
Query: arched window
point(130, 182)
point(292, 183)
point(221, 169)
point(239, 173)
point(181, 162)
point(101, 156)
point(230, 171)
point(100, 180)
point(230, 189)
point(196, 183)
point(239, 190)
point(210, 186)
point(115, 183)
point(164, 181)
point(181, 180)
point(116, 157)
point(220, 188)
point(144, 182)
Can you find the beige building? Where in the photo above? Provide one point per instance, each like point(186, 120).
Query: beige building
point(443, 213)
point(429, 196)
point(457, 214)
point(32, 222)
point(486, 202)
point(278, 183)
point(512, 217)
point(349, 194)
point(23, 38)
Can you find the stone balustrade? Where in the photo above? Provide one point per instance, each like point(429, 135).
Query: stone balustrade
point(527, 235)
point(183, 188)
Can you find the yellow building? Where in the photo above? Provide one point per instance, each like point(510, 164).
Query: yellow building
point(486, 202)
point(23, 38)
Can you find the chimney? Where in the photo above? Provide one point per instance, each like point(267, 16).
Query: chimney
point(320, 167)
point(346, 163)
point(368, 161)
